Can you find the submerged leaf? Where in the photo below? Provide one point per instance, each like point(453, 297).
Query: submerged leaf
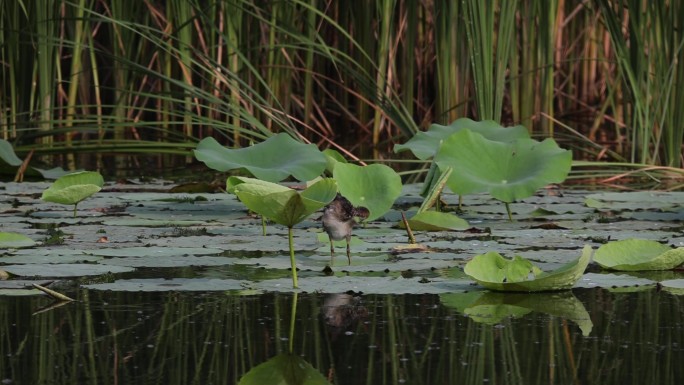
point(507, 171)
point(272, 160)
point(425, 145)
point(638, 254)
point(494, 272)
point(73, 188)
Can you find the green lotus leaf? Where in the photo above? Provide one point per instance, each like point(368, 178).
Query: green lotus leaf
point(7, 154)
point(268, 187)
point(435, 221)
point(285, 369)
point(425, 144)
point(272, 160)
point(495, 272)
point(638, 254)
point(333, 157)
point(374, 187)
point(508, 171)
point(15, 241)
point(281, 204)
point(73, 188)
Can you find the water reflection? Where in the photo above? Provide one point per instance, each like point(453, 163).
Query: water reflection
point(215, 338)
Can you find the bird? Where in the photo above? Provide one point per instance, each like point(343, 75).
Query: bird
point(339, 217)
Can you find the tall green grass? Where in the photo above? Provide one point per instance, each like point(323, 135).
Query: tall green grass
point(155, 77)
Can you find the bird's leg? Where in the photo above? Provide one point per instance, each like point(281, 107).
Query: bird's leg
point(348, 251)
point(332, 252)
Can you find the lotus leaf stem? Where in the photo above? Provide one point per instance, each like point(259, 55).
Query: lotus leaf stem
point(293, 317)
point(508, 210)
point(292, 258)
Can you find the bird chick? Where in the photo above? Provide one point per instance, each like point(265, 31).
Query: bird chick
point(339, 217)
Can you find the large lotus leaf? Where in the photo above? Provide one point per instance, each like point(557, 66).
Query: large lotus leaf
point(15, 241)
point(374, 187)
point(494, 272)
point(283, 205)
point(284, 369)
point(73, 188)
point(638, 254)
point(508, 171)
point(7, 154)
point(272, 160)
point(425, 144)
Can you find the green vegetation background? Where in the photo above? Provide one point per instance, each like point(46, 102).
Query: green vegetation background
point(603, 77)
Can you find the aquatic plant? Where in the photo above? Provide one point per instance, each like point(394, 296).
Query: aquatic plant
point(281, 204)
point(638, 254)
point(495, 272)
point(72, 188)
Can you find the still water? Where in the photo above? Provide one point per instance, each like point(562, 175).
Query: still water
point(216, 338)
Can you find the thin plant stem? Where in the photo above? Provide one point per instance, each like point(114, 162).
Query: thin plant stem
point(292, 258)
point(263, 225)
point(508, 211)
point(293, 317)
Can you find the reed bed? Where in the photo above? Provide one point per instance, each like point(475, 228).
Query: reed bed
point(154, 77)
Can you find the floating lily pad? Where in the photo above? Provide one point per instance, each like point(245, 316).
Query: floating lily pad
point(614, 281)
point(508, 171)
point(158, 252)
point(174, 284)
point(286, 369)
point(638, 254)
point(272, 160)
point(143, 222)
point(366, 285)
point(15, 241)
point(636, 200)
point(73, 188)
point(64, 270)
point(495, 272)
point(425, 144)
point(20, 292)
point(374, 187)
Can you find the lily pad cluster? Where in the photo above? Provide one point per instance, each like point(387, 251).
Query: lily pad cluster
point(279, 157)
